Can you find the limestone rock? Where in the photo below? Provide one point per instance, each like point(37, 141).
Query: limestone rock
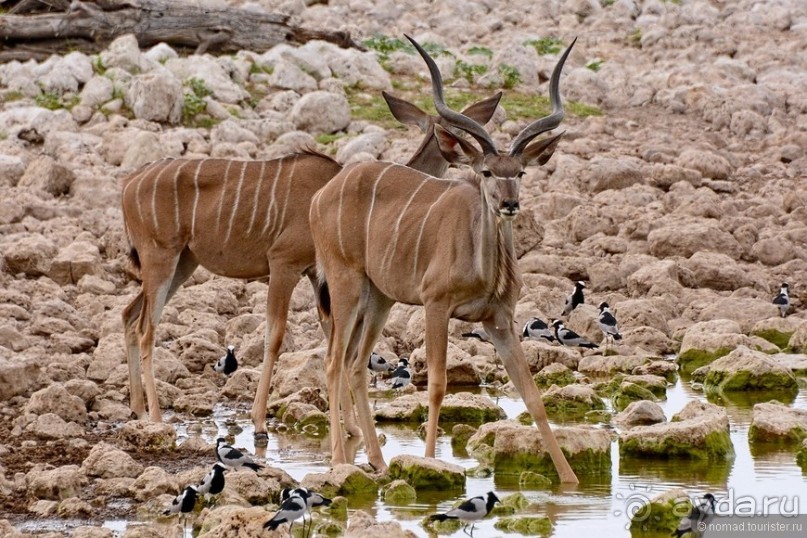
point(106, 461)
point(571, 400)
point(775, 422)
point(699, 431)
point(298, 370)
point(18, 376)
point(74, 261)
point(149, 436)
point(554, 374)
point(45, 174)
point(31, 254)
point(51, 426)
point(55, 484)
point(342, 479)
point(321, 112)
point(745, 369)
point(459, 407)
point(427, 473)
point(640, 413)
point(55, 399)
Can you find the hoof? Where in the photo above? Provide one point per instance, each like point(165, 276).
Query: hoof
point(261, 438)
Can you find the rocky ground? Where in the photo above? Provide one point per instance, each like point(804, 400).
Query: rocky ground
point(679, 194)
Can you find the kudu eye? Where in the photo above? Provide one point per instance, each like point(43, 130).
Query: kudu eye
point(487, 173)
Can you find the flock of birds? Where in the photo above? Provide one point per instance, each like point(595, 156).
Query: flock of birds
point(296, 502)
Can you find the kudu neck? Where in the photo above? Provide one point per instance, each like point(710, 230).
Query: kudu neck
point(428, 159)
point(495, 255)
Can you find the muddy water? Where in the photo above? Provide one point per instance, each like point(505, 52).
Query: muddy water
point(595, 506)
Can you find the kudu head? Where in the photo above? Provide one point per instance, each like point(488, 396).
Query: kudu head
point(498, 173)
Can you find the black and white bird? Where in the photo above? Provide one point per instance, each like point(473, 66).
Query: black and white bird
point(536, 328)
point(470, 511)
point(234, 458)
point(702, 512)
point(291, 509)
point(228, 363)
point(183, 504)
point(783, 299)
point(568, 337)
point(402, 375)
point(478, 334)
point(607, 323)
point(378, 365)
point(575, 298)
point(312, 499)
point(213, 482)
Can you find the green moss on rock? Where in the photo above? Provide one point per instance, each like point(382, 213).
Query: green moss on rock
point(427, 473)
point(338, 508)
point(586, 462)
point(529, 526)
point(716, 445)
point(525, 418)
point(692, 359)
point(399, 492)
point(743, 380)
point(661, 515)
point(530, 480)
point(778, 338)
point(801, 457)
point(630, 392)
point(460, 434)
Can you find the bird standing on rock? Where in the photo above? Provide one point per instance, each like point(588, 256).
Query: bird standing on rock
point(234, 458)
point(378, 365)
point(183, 504)
point(470, 511)
point(213, 482)
point(700, 514)
point(783, 299)
point(568, 337)
point(228, 363)
point(574, 299)
point(291, 509)
point(607, 323)
point(536, 328)
point(402, 375)
point(312, 499)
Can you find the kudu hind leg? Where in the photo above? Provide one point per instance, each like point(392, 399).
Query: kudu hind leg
point(130, 316)
point(160, 283)
point(348, 415)
point(508, 347)
point(375, 316)
point(282, 281)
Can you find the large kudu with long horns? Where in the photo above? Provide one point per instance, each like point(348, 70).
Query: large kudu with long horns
point(385, 233)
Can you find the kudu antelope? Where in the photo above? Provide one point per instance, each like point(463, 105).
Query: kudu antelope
point(385, 233)
point(242, 219)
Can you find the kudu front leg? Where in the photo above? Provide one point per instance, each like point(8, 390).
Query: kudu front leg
point(436, 347)
point(509, 349)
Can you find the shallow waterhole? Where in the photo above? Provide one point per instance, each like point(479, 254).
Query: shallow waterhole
point(595, 505)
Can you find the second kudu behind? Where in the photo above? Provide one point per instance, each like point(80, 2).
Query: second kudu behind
point(241, 219)
point(385, 233)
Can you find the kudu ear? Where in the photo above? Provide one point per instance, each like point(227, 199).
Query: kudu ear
point(406, 112)
point(541, 150)
point(482, 111)
point(454, 149)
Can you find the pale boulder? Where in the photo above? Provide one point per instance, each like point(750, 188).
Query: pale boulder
point(745, 369)
point(298, 370)
point(242, 384)
point(686, 238)
point(321, 112)
point(55, 484)
point(745, 311)
point(640, 413)
point(74, 261)
point(31, 254)
point(18, 376)
point(776, 422)
point(55, 399)
point(699, 431)
point(143, 147)
point(123, 52)
point(656, 278)
point(342, 479)
point(107, 461)
point(373, 143)
point(45, 174)
point(708, 163)
point(288, 76)
point(153, 481)
point(156, 96)
point(52, 426)
point(718, 272)
point(212, 73)
point(96, 92)
point(149, 436)
point(606, 173)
